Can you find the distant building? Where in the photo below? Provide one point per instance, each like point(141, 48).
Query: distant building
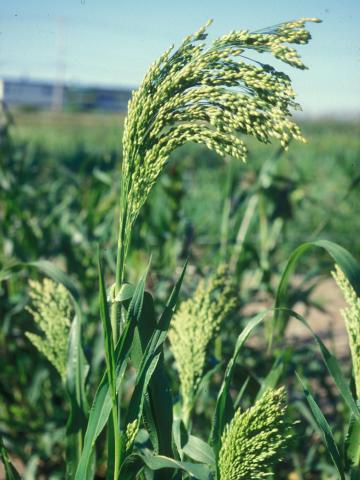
point(20, 93)
point(97, 98)
point(47, 95)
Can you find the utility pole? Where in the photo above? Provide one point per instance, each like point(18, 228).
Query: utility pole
point(58, 98)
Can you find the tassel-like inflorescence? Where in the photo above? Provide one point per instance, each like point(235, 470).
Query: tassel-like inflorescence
point(213, 95)
point(351, 316)
point(195, 324)
point(253, 441)
point(52, 311)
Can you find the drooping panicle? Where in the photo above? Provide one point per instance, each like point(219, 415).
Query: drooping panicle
point(213, 95)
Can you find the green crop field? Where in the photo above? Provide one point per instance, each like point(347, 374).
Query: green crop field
point(331, 157)
point(152, 269)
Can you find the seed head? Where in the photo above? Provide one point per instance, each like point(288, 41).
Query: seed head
point(51, 311)
point(252, 442)
point(130, 434)
point(213, 95)
point(351, 316)
point(195, 325)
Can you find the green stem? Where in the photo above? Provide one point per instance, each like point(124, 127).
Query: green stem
point(114, 320)
point(121, 247)
point(224, 232)
point(120, 267)
point(218, 348)
point(115, 317)
point(186, 417)
point(117, 440)
point(186, 413)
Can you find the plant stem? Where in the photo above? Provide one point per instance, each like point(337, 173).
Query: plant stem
point(115, 316)
point(243, 231)
point(117, 440)
point(224, 238)
point(120, 266)
point(121, 247)
point(218, 348)
point(186, 417)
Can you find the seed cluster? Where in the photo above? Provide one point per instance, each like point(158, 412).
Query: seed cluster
point(253, 440)
point(351, 315)
point(52, 311)
point(130, 434)
point(208, 95)
point(195, 325)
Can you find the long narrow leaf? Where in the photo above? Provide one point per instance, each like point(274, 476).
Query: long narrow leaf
point(325, 430)
point(352, 444)
point(333, 367)
point(341, 256)
point(273, 376)
point(10, 471)
point(108, 334)
point(44, 266)
point(76, 372)
point(158, 406)
point(224, 406)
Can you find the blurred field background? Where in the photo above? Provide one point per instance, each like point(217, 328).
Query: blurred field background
point(319, 178)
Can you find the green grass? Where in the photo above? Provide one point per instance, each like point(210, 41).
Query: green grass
point(55, 131)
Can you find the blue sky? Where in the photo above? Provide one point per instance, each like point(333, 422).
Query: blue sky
point(113, 42)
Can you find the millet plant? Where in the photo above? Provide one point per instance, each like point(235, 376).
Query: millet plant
point(213, 94)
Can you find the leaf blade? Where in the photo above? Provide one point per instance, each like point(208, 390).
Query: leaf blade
point(325, 429)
